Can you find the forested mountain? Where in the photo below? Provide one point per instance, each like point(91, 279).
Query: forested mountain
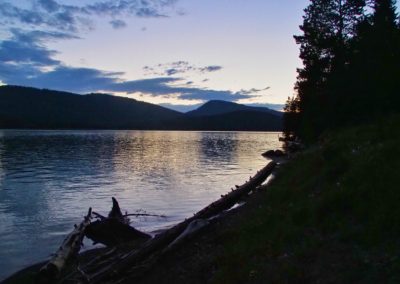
point(31, 108)
point(35, 108)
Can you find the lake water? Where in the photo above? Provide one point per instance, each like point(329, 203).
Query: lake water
point(49, 179)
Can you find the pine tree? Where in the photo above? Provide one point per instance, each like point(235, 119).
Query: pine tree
point(290, 119)
point(327, 29)
point(375, 65)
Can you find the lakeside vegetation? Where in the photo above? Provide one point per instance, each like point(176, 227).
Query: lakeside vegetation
point(331, 216)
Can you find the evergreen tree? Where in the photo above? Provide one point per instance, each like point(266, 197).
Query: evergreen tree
point(290, 118)
point(375, 64)
point(351, 66)
point(327, 29)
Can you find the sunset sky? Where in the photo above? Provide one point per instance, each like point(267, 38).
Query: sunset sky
point(178, 53)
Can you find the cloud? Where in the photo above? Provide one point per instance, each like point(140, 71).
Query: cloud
point(172, 71)
point(163, 87)
point(83, 80)
point(65, 18)
point(117, 24)
point(52, 14)
point(28, 48)
point(25, 60)
point(17, 52)
point(49, 5)
point(212, 68)
point(254, 90)
point(179, 67)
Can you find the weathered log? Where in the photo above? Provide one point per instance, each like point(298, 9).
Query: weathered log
point(68, 250)
point(124, 262)
point(114, 229)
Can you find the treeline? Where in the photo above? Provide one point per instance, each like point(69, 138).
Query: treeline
point(351, 61)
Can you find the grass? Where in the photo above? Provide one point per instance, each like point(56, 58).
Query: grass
point(332, 215)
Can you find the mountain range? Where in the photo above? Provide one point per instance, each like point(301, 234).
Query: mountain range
point(31, 108)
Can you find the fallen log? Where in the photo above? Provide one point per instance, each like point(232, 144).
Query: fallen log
point(68, 250)
point(123, 262)
point(114, 229)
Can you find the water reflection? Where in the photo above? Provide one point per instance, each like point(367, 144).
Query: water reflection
point(48, 179)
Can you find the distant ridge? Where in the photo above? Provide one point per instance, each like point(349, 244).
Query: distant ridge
point(23, 107)
point(31, 108)
point(215, 107)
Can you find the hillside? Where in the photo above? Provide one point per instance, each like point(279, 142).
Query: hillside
point(23, 107)
point(216, 107)
point(34, 108)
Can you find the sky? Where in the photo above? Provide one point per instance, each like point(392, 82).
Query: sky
point(176, 53)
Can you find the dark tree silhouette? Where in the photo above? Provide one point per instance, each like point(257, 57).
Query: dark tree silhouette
point(351, 60)
point(376, 63)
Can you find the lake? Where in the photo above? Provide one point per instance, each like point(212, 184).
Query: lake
point(49, 179)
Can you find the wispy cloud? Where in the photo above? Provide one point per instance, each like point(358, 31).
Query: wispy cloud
point(255, 91)
point(179, 67)
point(118, 24)
point(211, 68)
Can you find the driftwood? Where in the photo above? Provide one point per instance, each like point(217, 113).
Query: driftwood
point(114, 229)
point(122, 262)
point(68, 250)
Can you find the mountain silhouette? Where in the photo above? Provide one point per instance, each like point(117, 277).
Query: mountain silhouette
point(215, 107)
point(32, 108)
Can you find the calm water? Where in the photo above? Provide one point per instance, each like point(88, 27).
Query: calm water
point(49, 179)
